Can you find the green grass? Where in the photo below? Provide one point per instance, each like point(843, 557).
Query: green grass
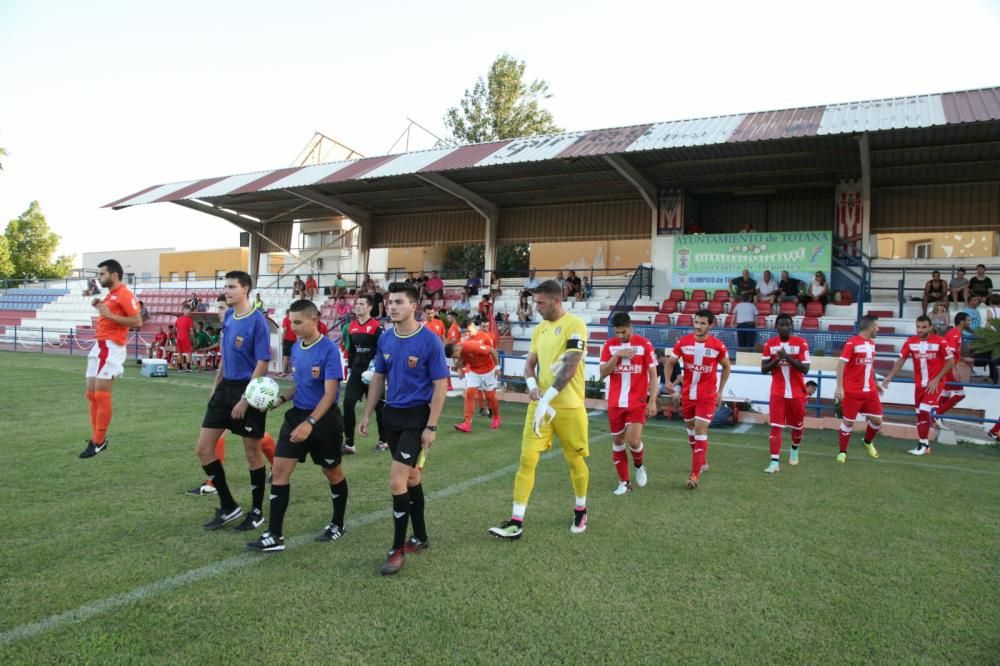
point(889, 561)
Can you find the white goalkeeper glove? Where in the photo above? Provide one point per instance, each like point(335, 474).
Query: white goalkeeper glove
point(544, 412)
point(366, 376)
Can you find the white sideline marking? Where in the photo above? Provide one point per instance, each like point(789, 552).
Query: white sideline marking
point(102, 606)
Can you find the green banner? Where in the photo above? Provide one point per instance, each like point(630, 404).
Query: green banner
point(712, 261)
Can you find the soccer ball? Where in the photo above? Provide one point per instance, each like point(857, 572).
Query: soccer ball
point(262, 393)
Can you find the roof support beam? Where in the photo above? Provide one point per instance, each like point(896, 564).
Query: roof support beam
point(866, 192)
point(632, 175)
point(358, 215)
point(487, 209)
point(243, 222)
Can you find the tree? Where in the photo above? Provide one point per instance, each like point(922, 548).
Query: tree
point(501, 106)
point(31, 245)
point(3, 153)
point(512, 259)
point(6, 265)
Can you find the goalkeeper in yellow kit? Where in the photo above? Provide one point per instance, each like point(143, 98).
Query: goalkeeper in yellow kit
point(554, 374)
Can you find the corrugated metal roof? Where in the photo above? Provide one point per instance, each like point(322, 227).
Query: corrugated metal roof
point(921, 111)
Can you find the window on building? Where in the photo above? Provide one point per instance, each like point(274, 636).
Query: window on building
point(316, 239)
point(191, 275)
point(921, 250)
point(174, 276)
point(220, 275)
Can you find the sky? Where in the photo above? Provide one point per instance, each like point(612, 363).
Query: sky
point(99, 100)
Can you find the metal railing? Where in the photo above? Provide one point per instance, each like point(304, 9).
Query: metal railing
point(639, 285)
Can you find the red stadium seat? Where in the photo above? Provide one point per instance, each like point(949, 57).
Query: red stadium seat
point(813, 309)
point(763, 308)
point(692, 306)
point(684, 320)
point(881, 314)
point(661, 319)
point(788, 307)
point(810, 324)
point(845, 328)
point(715, 307)
point(720, 296)
point(668, 307)
point(676, 295)
point(844, 298)
point(761, 322)
point(699, 295)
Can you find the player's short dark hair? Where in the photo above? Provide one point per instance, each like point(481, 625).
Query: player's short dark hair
point(221, 298)
point(449, 349)
point(978, 266)
point(405, 288)
point(705, 313)
point(960, 317)
point(620, 319)
point(304, 305)
point(867, 321)
point(242, 277)
point(113, 267)
point(548, 288)
point(783, 316)
point(812, 383)
point(924, 318)
point(365, 297)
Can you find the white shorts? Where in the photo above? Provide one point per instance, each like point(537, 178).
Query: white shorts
point(484, 382)
point(106, 360)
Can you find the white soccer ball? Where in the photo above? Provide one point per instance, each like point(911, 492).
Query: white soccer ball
point(262, 393)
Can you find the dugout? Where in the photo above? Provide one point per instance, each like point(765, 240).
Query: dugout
point(924, 162)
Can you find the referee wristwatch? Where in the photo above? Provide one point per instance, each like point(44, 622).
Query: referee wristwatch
point(431, 428)
point(310, 420)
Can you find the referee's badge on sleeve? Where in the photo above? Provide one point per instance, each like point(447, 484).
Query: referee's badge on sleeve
point(412, 361)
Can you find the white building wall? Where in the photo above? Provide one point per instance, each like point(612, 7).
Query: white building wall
point(141, 263)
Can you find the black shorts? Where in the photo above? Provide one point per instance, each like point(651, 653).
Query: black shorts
point(323, 444)
point(402, 428)
point(354, 388)
point(220, 407)
point(286, 347)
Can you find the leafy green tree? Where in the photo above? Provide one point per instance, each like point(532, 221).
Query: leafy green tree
point(6, 265)
point(501, 106)
point(512, 259)
point(3, 153)
point(31, 245)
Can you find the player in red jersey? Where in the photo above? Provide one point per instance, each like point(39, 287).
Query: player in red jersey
point(933, 360)
point(994, 433)
point(701, 355)
point(631, 362)
point(786, 359)
point(477, 358)
point(857, 391)
point(185, 333)
point(117, 313)
point(951, 396)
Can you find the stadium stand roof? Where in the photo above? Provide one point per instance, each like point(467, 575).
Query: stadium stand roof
point(935, 139)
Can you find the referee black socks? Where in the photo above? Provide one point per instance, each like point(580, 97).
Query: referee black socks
point(400, 517)
point(417, 512)
point(258, 480)
point(217, 475)
point(279, 504)
point(338, 493)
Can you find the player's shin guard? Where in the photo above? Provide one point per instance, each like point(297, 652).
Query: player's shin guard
point(279, 504)
point(93, 413)
point(217, 476)
point(338, 493)
point(524, 481)
point(775, 441)
point(638, 454)
point(258, 479)
point(699, 453)
point(923, 425)
point(417, 512)
point(871, 431)
point(470, 403)
point(400, 519)
point(579, 475)
point(103, 399)
point(797, 432)
point(845, 436)
point(691, 438)
point(620, 459)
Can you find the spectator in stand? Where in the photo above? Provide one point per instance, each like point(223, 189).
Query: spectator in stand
point(156, 347)
point(530, 284)
point(339, 286)
point(435, 286)
point(143, 312)
point(744, 285)
point(421, 283)
point(93, 289)
point(287, 340)
point(298, 288)
point(979, 285)
point(561, 279)
point(524, 311)
point(746, 318)
point(473, 284)
point(767, 289)
point(586, 291)
point(992, 310)
point(971, 310)
point(342, 311)
point(935, 291)
point(572, 286)
point(495, 287)
point(939, 318)
point(789, 287)
point(367, 285)
point(504, 324)
point(485, 308)
point(377, 301)
point(258, 304)
point(463, 305)
point(747, 228)
point(312, 287)
point(819, 290)
point(192, 302)
point(692, 227)
point(957, 286)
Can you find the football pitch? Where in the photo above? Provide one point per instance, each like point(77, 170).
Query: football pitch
point(105, 560)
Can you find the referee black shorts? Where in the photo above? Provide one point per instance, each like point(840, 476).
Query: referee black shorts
point(402, 428)
point(220, 407)
point(323, 444)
